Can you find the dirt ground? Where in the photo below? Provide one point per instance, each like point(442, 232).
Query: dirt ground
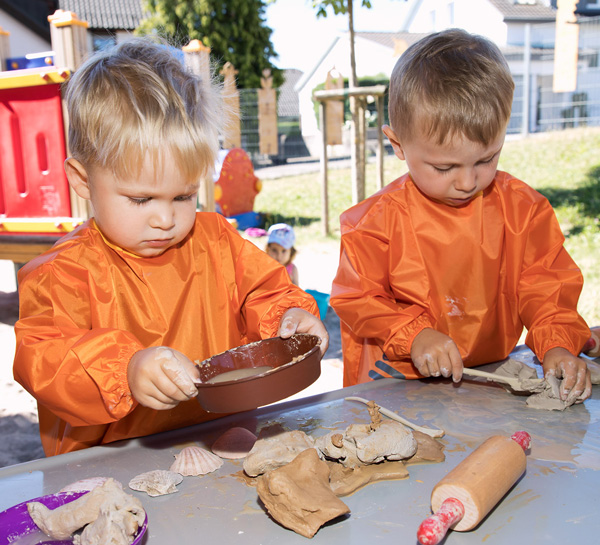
point(18, 412)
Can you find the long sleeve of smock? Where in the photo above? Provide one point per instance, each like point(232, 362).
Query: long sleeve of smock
point(549, 288)
point(362, 292)
point(76, 370)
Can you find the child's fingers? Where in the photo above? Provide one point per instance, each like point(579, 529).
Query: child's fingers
point(173, 365)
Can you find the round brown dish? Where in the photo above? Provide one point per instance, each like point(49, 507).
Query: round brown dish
point(293, 364)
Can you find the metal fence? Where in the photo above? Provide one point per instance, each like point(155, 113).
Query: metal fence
point(533, 64)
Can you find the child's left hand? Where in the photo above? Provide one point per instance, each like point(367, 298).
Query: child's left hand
point(576, 380)
point(297, 320)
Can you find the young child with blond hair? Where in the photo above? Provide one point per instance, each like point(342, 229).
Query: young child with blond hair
point(445, 266)
point(114, 316)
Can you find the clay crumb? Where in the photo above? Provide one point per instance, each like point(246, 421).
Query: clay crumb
point(337, 440)
point(375, 415)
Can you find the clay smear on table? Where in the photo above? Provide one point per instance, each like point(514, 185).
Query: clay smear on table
point(288, 465)
point(107, 514)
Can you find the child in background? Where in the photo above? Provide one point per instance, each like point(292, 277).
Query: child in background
point(445, 266)
point(113, 317)
point(280, 246)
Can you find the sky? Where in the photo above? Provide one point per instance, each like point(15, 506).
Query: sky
point(300, 38)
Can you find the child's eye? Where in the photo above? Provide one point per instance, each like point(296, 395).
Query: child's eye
point(189, 197)
point(442, 169)
point(139, 200)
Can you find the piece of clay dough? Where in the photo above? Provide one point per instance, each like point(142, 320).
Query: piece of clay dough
point(345, 480)
point(546, 393)
point(428, 449)
point(360, 444)
point(61, 522)
point(298, 495)
point(527, 379)
point(398, 418)
point(274, 451)
point(549, 399)
point(594, 371)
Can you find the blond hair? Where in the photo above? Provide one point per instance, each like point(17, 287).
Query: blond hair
point(137, 100)
point(451, 83)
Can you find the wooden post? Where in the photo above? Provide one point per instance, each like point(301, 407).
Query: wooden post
point(4, 48)
point(334, 120)
point(267, 116)
point(69, 39)
point(232, 135)
point(196, 57)
point(380, 149)
point(324, 181)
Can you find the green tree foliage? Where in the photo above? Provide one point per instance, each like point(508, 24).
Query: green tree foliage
point(234, 30)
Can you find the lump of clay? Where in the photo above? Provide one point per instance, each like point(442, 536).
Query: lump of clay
point(528, 381)
point(345, 480)
point(298, 495)
point(110, 528)
point(274, 451)
point(549, 399)
point(61, 522)
point(156, 483)
point(363, 444)
point(429, 449)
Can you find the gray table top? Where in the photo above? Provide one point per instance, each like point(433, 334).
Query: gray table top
point(556, 501)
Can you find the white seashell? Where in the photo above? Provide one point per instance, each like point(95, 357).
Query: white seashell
point(156, 483)
point(235, 443)
point(195, 461)
point(85, 485)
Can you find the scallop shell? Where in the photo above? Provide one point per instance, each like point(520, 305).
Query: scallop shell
point(156, 483)
point(195, 461)
point(235, 443)
point(85, 485)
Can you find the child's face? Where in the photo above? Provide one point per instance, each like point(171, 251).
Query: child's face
point(147, 214)
point(452, 173)
point(279, 253)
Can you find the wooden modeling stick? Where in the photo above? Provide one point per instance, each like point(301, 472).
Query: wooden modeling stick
point(472, 489)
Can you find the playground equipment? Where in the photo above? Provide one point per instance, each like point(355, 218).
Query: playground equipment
point(236, 188)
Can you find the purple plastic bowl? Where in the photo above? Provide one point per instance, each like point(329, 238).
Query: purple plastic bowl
point(16, 523)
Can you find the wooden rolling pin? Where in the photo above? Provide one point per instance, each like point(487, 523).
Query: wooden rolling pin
point(471, 490)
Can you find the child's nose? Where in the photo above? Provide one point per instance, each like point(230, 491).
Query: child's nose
point(162, 218)
point(466, 180)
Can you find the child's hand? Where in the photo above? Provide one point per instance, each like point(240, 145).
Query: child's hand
point(160, 377)
point(435, 354)
point(297, 320)
point(575, 375)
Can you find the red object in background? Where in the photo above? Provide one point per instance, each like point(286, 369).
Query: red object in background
point(32, 151)
point(237, 186)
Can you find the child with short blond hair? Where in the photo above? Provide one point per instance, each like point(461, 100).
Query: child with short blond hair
point(445, 266)
point(114, 316)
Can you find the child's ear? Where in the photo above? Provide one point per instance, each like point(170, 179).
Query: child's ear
point(78, 177)
point(396, 146)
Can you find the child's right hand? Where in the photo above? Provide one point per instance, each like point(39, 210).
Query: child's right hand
point(435, 354)
point(160, 377)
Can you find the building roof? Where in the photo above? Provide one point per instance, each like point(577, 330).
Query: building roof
point(106, 14)
point(390, 39)
point(533, 11)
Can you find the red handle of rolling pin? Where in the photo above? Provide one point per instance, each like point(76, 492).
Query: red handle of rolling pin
point(522, 438)
point(434, 528)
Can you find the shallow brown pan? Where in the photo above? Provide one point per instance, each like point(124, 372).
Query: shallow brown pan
point(294, 363)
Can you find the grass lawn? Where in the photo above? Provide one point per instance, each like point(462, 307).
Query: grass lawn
point(564, 166)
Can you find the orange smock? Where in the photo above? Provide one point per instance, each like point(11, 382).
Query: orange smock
point(478, 273)
point(86, 306)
